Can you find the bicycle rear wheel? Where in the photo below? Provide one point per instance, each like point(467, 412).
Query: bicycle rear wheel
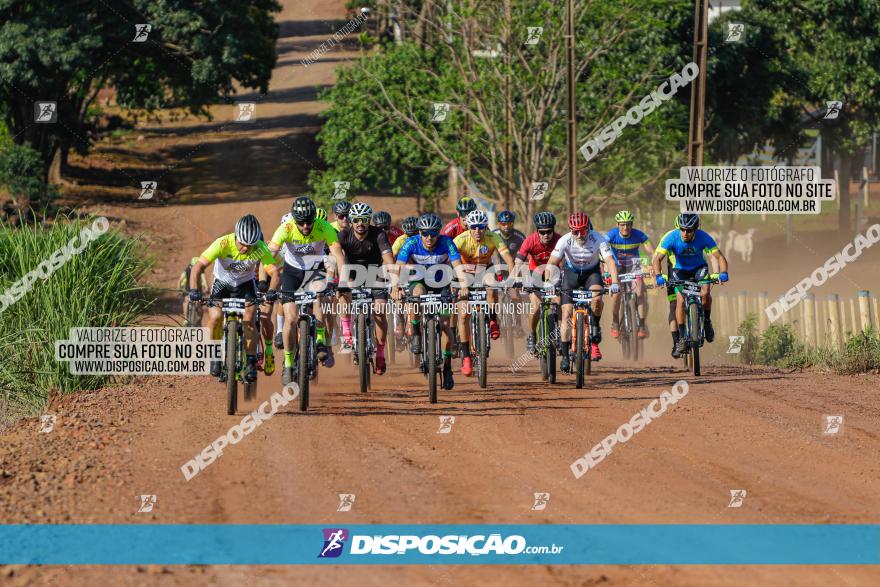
point(550, 348)
point(579, 350)
point(540, 348)
point(303, 365)
point(231, 355)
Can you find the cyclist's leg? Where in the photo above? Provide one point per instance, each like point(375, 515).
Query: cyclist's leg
point(219, 290)
point(291, 280)
point(416, 289)
point(534, 311)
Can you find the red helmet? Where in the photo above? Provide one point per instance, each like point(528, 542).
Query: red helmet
point(578, 221)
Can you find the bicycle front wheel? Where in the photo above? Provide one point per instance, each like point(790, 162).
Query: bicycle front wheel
point(430, 348)
point(303, 364)
point(481, 348)
point(231, 355)
point(695, 331)
point(363, 363)
point(579, 345)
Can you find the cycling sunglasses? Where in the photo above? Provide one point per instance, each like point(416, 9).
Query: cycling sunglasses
point(342, 216)
point(579, 232)
point(305, 223)
point(360, 220)
point(478, 226)
point(429, 232)
point(688, 230)
point(545, 232)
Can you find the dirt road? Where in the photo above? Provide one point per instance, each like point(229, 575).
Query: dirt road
point(754, 429)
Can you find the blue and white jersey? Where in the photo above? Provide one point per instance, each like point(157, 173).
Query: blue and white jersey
point(414, 251)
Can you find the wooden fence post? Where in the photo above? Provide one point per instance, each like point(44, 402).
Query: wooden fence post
point(834, 322)
point(742, 311)
point(762, 315)
point(855, 317)
point(865, 309)
point(810, 320)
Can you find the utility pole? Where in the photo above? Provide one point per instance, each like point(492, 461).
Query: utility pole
point(698, 90)
point(572, 121)
point(508, 123)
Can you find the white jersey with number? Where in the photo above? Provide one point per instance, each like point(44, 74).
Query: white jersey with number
point(582, 257)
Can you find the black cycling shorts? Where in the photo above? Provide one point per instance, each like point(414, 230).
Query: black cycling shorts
point(572, 280)
point(294, 278)
point(246, 290)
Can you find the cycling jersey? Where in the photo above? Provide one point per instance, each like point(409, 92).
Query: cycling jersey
point(582, 257)
point(393, 233)
point(398, 242)
point(625, 248)
point(231, 266)
point(414, 251)
point(454, 228)
point(479, 253)
point(687, 255)
point(335, 225)
point(537, 253)
point(303, 251)
point(368, 251)
point(514, 241)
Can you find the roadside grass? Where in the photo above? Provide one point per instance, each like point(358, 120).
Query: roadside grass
point(779, 347)
point(98, 287)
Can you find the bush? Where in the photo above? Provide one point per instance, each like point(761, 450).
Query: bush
point(777, 342)
point(861, 353)
point(22, 174)
point(748, 329)
point(98, 287)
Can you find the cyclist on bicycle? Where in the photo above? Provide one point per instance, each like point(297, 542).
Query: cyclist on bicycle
point(366, 246)
point(236, 258)
point(625, 242)
point(582, 250)
point(428, 249)
point(302, 241)
point(340, 210)
point(537, 249)
point(512, 238)
point(476, 247)
point(383, 220)
point(457, 226)
point(410, 228)
point(670, 294)
point(689, 245)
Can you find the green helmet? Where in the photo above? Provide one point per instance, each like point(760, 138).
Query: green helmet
point(676, 221)
point(321, 213)
point(624, 216)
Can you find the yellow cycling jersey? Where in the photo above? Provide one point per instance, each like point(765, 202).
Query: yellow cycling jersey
point(304, 251)
point(397, 244)
point(233, 267)
point(479, 253)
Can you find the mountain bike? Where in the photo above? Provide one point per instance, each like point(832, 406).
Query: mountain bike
point(508, 321)
point(400, 342)
point(694, 317)
point(583, 320)
point(630, 322)
point(305, 351)
point(235, 358)
point(431, 361)
point(364, 347)
point(547, 335)
point(478, 309)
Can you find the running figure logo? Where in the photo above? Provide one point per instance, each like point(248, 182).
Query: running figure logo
point(147, 503)
point(45, 112)
point(736, 343)
point(340, 188)
point(737, 497)
point(541, 501)
point(247, 112)
point(735, 32)
point(346, 500)
point(446, 423)
point(535, 33)
point(47, 423)
point(148, 188)
point(833, 425)
point(439, 111)
point(141, 32)
point(834, 108)
point(539, 190)
point(334, 541)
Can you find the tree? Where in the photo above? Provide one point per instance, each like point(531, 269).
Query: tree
point(67, 50)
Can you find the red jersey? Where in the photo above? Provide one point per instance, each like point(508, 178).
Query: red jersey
point(393, 232)
point(454, 228)
point(537, 253)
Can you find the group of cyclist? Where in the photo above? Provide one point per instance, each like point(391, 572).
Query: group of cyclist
point(309, 251)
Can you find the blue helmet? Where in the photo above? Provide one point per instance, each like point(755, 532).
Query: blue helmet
point(688, 221)
point(506, 216)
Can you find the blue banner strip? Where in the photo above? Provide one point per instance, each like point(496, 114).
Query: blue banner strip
point(170, 544)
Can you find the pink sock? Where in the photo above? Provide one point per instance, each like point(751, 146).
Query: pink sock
point(380, 350)
point(346, 327)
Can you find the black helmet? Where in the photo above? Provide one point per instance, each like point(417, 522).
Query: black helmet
point(429, 222)
point(382, 219)
point(465, 206)
point(341, 208)
point(303, 209)
point(545, 220)
point(410, 225)
point(688, 221)
point(247, 230)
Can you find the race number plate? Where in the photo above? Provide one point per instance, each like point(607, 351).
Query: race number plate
point(581, 295)
point(548, 294)
point(361, 295)
point(477, 297)
point(431, 302)
point(304, 297)
point(234, 305)
point(629, 277)
point(691, 289)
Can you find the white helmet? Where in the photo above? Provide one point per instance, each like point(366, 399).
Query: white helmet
point(477, 217)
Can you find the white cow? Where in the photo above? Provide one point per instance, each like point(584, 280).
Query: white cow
point(741, 243)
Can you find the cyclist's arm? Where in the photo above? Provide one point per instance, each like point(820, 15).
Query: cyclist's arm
point(610, 259)
point(336, 251)
point(659, 254)
point(721, 260)
point(196, 272)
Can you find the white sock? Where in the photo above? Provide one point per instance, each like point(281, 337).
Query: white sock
point(279, 321)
